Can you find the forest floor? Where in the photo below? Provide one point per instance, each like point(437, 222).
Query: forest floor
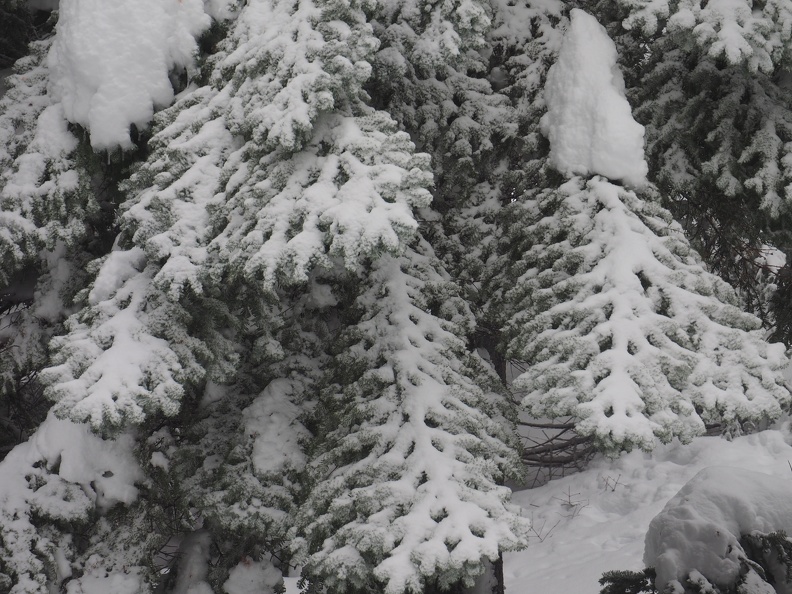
point(596, 520)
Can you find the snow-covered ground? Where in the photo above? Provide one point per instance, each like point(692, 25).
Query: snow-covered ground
point(597, 520)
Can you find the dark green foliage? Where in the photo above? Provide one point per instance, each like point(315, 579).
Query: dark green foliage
point(16, 30)
point(773, 552)
point(628, 582)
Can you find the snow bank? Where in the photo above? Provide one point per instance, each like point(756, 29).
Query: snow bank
point(588, 120)
point(111, 59)
point(597, 520)
point(700, 528)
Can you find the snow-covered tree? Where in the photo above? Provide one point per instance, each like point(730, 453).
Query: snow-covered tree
point(411, 451)
point(708, 80)
point(52, 225)
point(623, 328)
point(256, 257)
point(617, 319)
point(58, 197)
point(432, 76)
point(62, 507)
point(205, 328)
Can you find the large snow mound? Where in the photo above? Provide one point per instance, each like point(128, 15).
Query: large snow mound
point(595, 521)
point(700, 528)
point(110, 61)
point(589, 121)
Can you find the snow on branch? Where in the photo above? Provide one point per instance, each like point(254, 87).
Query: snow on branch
point(741, 31)
point(110, 61)
point(588, 120)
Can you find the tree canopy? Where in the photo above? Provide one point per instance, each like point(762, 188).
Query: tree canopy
point(282, 277)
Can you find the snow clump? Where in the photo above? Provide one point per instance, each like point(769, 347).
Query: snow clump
point(111, 59)
point(589, 121)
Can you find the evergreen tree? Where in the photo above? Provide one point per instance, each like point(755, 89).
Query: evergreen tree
point(53, 224)
point(65, 515)
point(410, 451)
point(210, 322)
point(45, 194)
point(707, 81)
point(432, 76)
point(618, 322)
point(205, 215)
point(623, 328)
point(257, 312)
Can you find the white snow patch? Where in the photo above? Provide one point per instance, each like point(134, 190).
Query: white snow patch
point(290, 583)
point(771, 257)
point(160, 460)
point(589, 121)
point(220, 10)
point(63, 473)
point(193, 564)
point(107, 467)
point(48, 304)
point(97, 581)
point(272, 421)
point(111, 58)
point(596, 521)
point(252, 577)
point(119, 267)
